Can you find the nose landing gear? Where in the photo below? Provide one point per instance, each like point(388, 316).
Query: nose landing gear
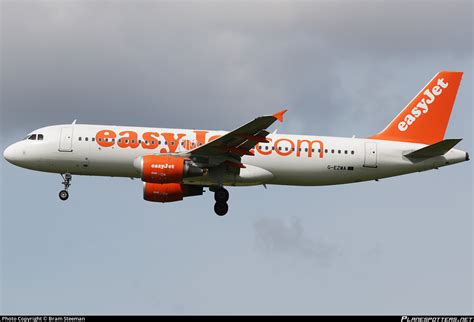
point(221, 196)
point(64, 194)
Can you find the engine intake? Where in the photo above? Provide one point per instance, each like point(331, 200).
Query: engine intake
point(165, 169)
point(169, 192)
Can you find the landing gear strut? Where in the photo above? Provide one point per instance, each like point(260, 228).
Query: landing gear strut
point(63, 194)
point(221, 196)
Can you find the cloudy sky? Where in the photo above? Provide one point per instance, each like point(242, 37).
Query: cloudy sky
point(342, 68)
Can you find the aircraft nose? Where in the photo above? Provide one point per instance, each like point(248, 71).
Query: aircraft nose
point(8, 153)
point(11, 154)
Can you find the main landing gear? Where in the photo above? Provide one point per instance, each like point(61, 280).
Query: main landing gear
point(221, 196)
point(63, 194)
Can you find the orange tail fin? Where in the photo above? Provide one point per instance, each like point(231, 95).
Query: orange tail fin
point(426, 117)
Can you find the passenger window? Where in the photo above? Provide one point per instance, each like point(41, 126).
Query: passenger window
point(332, 151)
point(319, 150)
point(159, 142)
point(152, 142)
point(40, 137)
point(352, 152)
point(325, 150)
point(93, 139)
point(279, 148)
point(305, 149)
point(345, 152)
point(80, 139)
point(286, 149)
point(312, 150)
point(266, 148)
point(133, 141)
point(339, 151)
point(99, 139)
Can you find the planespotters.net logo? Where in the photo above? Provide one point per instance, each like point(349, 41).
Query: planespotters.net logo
point(423, 105)
point(437, 319)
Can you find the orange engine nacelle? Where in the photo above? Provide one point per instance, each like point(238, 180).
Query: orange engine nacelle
point(169, 192)
point(165, 169)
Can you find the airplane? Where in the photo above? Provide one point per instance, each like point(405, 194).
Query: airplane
point(178, 163)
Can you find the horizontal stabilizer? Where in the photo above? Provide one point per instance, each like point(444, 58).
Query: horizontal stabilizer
point(433, 150)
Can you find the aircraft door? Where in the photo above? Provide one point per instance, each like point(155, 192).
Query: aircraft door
point(370, 159)
point(65, 139)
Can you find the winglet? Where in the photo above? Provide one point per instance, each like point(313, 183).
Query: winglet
point(279, 115)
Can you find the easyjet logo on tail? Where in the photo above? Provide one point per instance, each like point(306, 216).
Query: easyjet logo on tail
point(423, 105)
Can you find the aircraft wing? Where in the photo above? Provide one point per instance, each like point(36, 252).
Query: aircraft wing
point(237, 143)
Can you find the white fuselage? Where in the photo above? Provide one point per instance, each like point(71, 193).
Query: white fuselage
point(285, 160)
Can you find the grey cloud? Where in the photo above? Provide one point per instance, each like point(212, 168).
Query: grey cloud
point(393, 28)
point(275, 236)
point(208, 65)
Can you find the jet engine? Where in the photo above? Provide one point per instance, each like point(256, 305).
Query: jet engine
point(165, 169)
point(169, 192)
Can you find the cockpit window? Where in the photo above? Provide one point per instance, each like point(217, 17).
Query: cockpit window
point(35, 137)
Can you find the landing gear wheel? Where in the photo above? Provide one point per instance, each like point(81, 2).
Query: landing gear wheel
point(221, 208)
point(221, 195)
point(63, 195)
